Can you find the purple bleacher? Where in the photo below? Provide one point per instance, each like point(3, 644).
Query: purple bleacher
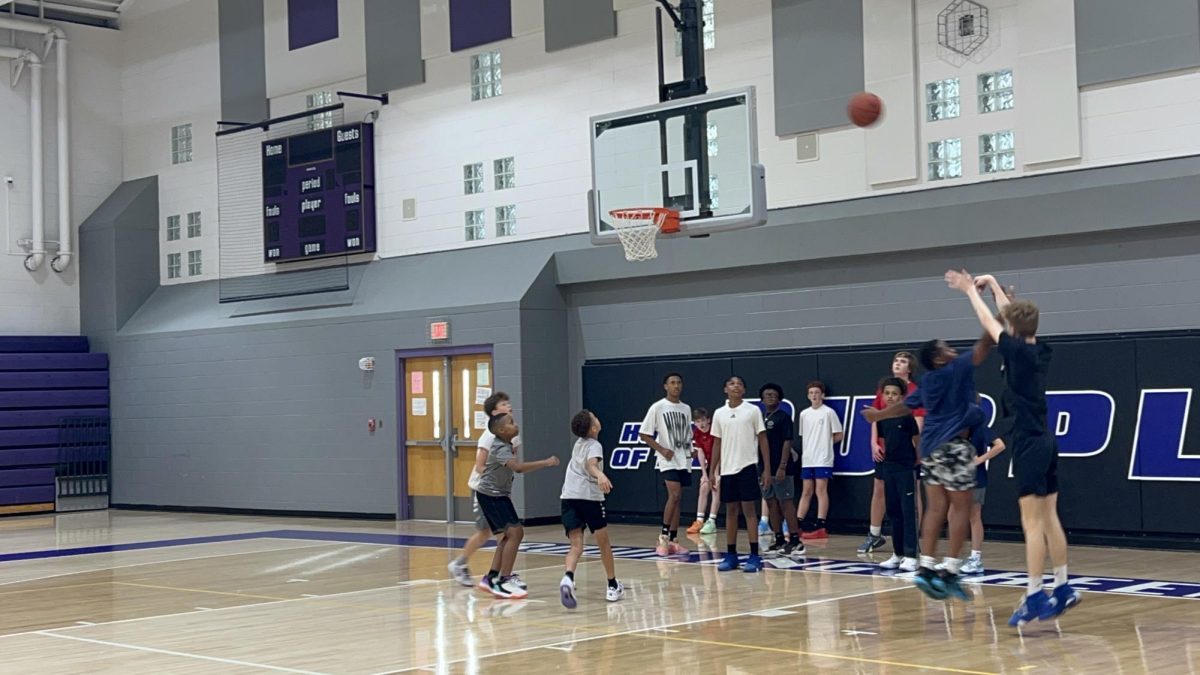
point(44, 380)
point(26, 362)
point(30, 494)
point(60, 398)
point(41, 344)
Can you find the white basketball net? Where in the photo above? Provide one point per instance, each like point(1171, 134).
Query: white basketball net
point(637, 229)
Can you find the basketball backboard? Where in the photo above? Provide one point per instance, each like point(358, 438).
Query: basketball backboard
point(696, 155)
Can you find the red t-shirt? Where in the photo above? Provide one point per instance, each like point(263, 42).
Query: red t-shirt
point(704, 441)
point(878, 404)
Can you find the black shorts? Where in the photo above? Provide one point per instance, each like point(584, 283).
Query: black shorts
point(743, 486)
point(684, 478)
point(499, 512)
point(1035, 465)
point(580, 513)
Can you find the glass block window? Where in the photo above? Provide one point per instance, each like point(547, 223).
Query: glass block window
point(997, 152)
point(181, 144)
point(712, 139)
point(708, 12)
point(173, 265)
point(474, 225)
point(193, 224)
point(941, 100)
point(194, 267)
point(505, 173)
point(319, 99)
point(714, 191)
point(945, 159)
point(995, 91)
point(173, 228)
point(485, 75)
point(473, 178)
point(506, 220)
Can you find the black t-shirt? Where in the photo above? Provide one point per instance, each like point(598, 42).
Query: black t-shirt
point(1025, 369)
point(780, 428)
point(897, 434)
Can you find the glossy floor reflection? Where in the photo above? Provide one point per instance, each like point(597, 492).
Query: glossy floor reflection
point(271, 604)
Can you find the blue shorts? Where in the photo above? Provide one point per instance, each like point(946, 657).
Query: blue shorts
point(811, 472)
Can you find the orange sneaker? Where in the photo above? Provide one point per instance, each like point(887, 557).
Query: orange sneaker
point(694, 528)
point(815, 534)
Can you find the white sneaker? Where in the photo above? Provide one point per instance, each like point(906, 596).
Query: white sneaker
point(615, 594)
point(973, 565)
point(460, 573)
point(516, 580)
point(566, 591)
point(891, 563)
point(909, 565)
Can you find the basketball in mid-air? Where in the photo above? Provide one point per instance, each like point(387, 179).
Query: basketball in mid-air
point(864, 108)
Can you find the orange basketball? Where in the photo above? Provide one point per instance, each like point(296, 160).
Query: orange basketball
point(864, 108)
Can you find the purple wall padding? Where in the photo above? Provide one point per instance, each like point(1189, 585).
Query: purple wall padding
point(54, 380)
point(43, 343)
point(18, 419)
point(311, 22)
point(41, 494)
point(53, 361)
point(28, 456)
point(53, 399)
point(24, 477)
point(478, 22)
point(27, 438)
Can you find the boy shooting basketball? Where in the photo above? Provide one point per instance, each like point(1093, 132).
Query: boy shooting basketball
point(493, 493)
point(584, 487)
point(1035, 451)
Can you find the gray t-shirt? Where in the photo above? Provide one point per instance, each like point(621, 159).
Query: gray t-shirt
point(497, 479)
point(578, 483)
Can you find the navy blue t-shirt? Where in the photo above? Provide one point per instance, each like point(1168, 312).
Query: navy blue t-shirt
point(1025, 369)
point(982, 438)
point(947, 395)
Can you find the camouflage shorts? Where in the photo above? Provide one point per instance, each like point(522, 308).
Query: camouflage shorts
point(951, 465)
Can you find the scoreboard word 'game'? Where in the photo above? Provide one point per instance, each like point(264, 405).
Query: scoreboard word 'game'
point(319, 193)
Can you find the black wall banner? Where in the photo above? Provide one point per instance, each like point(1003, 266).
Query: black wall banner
point(1122, 409)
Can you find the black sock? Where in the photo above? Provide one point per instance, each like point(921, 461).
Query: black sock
point(666, 529)
point(492, 574)
point(779, 538)
point(571, 576)
point(612, 583)
point(820, 523)
point(794, 537)
point(674, 535)
point(753, 548)
point(732, 548)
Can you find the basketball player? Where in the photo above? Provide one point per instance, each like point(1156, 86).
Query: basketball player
point(703, 440)
point(584, 487)
point(902, 368)
point(739, 444)
point(667, 429)
point(496, 404)
point(1035, 451)
point(781, 493)
point(494, 492)
point(820, 430)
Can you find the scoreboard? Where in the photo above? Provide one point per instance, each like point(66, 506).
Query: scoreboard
point(319, 194)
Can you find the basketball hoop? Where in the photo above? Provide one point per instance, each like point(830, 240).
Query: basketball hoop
point(637, 229)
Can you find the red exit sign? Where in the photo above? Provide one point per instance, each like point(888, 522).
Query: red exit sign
point(439, 330)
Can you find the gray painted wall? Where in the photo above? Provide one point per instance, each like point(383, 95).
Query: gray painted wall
point(570, 23)
point(118, 255)
point(1119, 39)
point(817, 48)
point(243, 61)
point(393, 44)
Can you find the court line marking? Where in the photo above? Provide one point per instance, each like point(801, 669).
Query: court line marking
point(723, 617)
point(155, 650)
point(801, 652)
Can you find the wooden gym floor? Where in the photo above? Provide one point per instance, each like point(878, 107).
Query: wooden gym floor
point(129, 592)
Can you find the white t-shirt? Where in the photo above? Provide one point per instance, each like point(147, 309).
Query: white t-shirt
point(672, 422)
point(577, 482)
point(738, 428)
point(817, 427)
point(485, 444)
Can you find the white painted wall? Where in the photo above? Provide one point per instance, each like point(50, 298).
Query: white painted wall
point(171, 76)
point(45, 302)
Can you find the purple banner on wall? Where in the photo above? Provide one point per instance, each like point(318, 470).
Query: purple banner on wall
point(478, 22)
point(311, 22)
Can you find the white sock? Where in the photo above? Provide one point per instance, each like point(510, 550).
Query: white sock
point(712, 516)
point(952, 564)
point(1035, 585)
point(763, 519)
point(928, 561)
point(1060, 575)
point(876, 530)
point(977, 554)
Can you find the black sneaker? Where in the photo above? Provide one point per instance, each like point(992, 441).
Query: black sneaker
point(952, 588)
point(775, 549)
point(794, 549)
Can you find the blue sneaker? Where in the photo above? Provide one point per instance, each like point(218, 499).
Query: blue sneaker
point(930, 583)
point(764, 527)
point(728, 563)
point(1036, 607)
point(952, 588)
point(1065, 598)
point(753, 564)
